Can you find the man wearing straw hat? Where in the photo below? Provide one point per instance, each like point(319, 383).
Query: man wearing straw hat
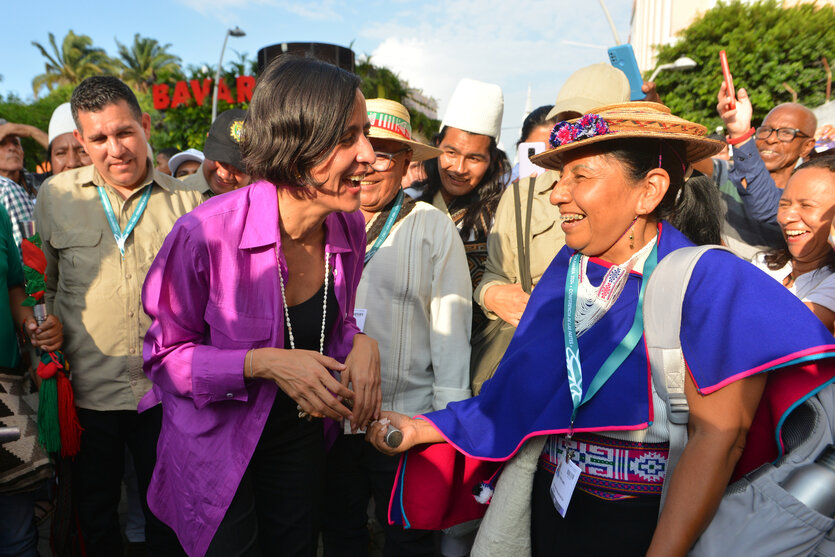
point(414, 298)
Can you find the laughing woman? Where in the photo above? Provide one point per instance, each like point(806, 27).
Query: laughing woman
point(252, 301)
point(576, 377)
point(807, 266)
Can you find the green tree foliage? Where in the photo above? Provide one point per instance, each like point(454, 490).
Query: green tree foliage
point(187, 126)
point(766, 45)
point(380, 82)
point(146, 61)
point(70, 63)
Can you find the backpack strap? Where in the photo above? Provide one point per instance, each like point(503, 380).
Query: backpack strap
point(662, 327)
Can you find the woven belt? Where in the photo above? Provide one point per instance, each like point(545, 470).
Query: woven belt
point(610, 468)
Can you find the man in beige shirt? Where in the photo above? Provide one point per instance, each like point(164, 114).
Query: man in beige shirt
point(101, 227)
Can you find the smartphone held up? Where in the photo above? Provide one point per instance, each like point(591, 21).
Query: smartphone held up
point(729, 81)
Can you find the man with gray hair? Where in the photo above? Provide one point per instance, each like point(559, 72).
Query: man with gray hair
point(101, 227)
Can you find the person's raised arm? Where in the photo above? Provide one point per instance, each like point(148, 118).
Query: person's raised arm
point(24, 130)
point(756, 187)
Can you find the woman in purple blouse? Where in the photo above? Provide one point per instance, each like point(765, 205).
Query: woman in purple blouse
point(252, 302)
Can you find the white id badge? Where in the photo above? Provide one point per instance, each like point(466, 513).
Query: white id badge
point(359, 316)
point(562, 486)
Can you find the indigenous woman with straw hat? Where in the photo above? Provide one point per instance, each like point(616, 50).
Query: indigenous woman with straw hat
point(575, 382)
point(252, 302)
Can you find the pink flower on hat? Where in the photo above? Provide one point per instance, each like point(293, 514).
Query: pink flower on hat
point(590, 125)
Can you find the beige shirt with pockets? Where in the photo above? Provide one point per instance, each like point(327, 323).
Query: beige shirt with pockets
point(547, 238)
point(92, 289)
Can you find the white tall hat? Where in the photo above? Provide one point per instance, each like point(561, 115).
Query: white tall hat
point(476, 107)
point(61, 121)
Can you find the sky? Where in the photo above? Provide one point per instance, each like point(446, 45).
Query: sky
point(515, 43)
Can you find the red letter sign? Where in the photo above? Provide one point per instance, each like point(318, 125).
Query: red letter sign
point(200, 92)
point(160, 93)
point(245, 84)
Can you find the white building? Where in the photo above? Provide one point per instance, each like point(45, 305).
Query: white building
point(656, 22)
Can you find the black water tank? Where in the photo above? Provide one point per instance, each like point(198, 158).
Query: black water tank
point(331, 53)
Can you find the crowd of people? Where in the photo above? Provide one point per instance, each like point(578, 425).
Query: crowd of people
point(245, 325)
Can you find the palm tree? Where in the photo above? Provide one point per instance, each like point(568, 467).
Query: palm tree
point(244, 65)
point(146, 58)
point(75, 60)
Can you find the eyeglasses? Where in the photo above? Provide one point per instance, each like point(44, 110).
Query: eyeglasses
point(383, 161)
point(783, 134)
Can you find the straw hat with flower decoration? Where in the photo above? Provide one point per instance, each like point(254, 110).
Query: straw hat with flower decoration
point(390, 120)
point(627, 120)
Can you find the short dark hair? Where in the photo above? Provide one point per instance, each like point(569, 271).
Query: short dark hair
point(297, 116)
point(826, 161)
point(99, 91)
point(539, 117)
point(168, 152)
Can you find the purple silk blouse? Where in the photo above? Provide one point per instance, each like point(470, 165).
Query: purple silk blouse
point(212, 294)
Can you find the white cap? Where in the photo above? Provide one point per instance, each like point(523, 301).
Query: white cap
point(61, 121)
point(476, 107)
point(188, 155)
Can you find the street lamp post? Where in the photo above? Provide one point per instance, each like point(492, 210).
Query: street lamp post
point(683, 63)
point(236, 32)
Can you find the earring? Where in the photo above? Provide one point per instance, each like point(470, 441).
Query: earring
point(631, 238)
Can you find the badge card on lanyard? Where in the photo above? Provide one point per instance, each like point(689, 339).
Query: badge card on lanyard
point(121, 236)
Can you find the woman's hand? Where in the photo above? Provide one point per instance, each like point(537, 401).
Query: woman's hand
point(415, 432)
point(304, 376)
point(49, 335)
point(508, 301)
point(362, 371)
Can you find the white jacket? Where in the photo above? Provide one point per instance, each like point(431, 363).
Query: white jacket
point(418, 296)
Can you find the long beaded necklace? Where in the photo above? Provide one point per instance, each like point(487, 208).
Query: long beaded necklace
point(324, 304)
point(302, 413)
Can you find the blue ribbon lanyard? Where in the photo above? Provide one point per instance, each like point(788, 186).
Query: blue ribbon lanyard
point(574, 368)
point(121, 236)
point(389, 224)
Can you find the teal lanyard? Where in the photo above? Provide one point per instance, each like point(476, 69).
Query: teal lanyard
point(574, 368)
point(121, 236)
point(395, 211)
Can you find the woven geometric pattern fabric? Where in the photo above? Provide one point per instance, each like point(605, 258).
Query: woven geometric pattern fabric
point(23, 463)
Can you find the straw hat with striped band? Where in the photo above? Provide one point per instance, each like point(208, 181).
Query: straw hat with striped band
point(625, 120)
point(390, 120)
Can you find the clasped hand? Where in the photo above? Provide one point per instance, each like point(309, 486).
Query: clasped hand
point(49, 335)
point(306, 377)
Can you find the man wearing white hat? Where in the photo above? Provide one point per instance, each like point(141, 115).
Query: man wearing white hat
point(185, 163)
point(469, 176)
point(414, 298)
point(64, 151)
